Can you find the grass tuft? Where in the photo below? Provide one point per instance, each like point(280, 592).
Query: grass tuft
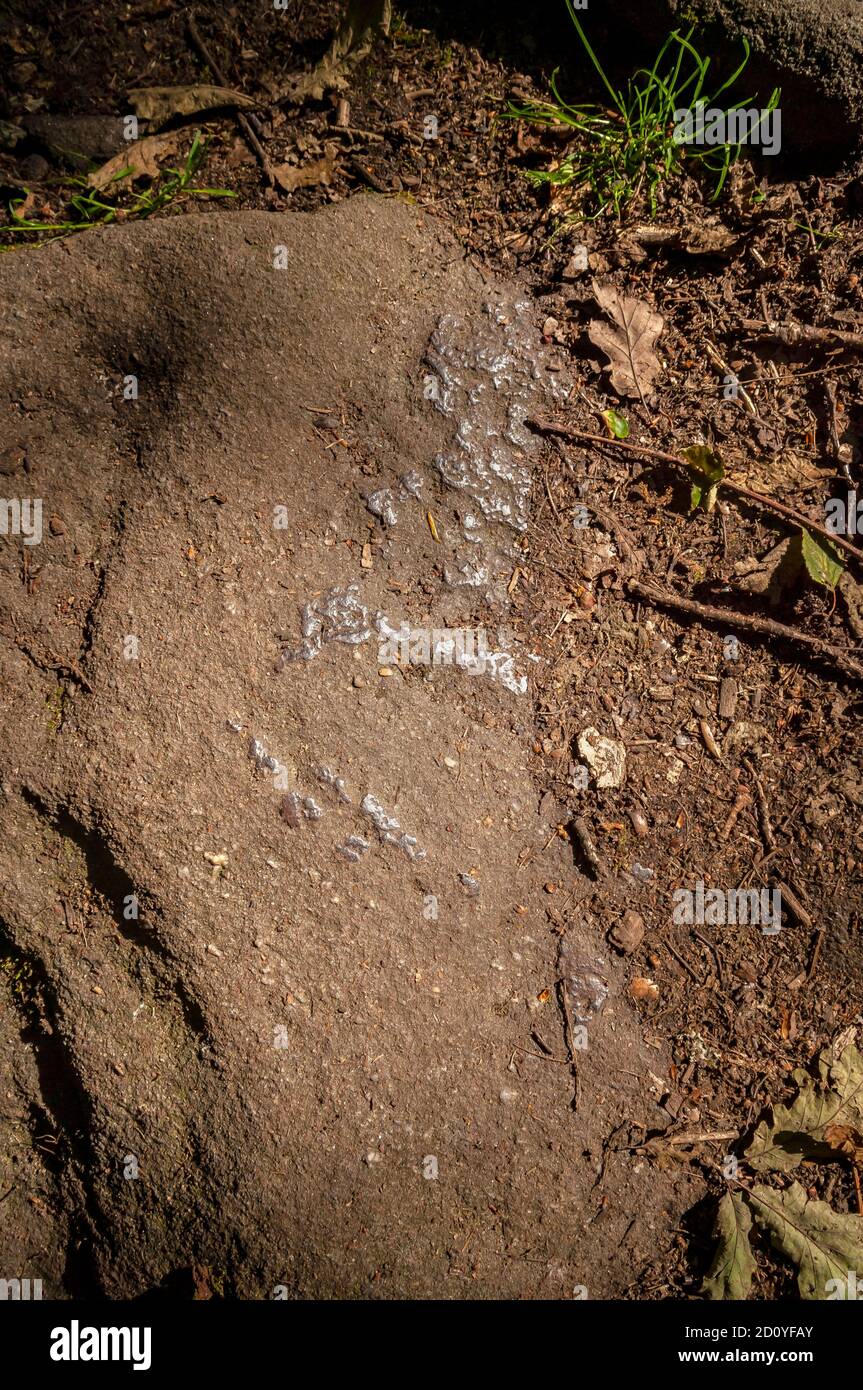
point(90, 209)
point(629, 150)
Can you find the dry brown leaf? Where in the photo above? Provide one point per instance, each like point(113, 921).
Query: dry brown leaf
point(160, 104)
point(292, 176)
point(25, 208)
point(138, 160)
point(846, 1140)
point(775, 574)
point(628, 340)
point(361, 22)
point(711, 239)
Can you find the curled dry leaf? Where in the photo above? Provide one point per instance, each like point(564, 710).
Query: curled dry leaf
point(708, 239)
point(361, 22)
point(160, 104)
point(628, 340)
point(642, 988)
point(798, 1131)
point(292, 176)
point(139, 160)
point(775, 574)
point(711, 239)
point(847, 1141)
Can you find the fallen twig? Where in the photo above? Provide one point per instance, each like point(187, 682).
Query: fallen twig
point(242, 120)
point(791, 900)
point(841, 452)
point(763, 811)
point(741, 802)
point(549, 427)
point(368, 176)
point(581, 833)
point(713, 351)
point(712, 1136)
point(767, 627)
point(681, 960)
point(792, 334)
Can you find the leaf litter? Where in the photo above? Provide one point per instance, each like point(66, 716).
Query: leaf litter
point(628, 340)
point(821, 1123)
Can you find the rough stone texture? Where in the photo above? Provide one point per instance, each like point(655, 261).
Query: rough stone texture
point(280, 1040)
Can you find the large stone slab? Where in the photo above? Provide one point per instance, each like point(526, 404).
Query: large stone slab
point(274, 924)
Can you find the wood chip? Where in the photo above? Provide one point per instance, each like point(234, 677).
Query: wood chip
point(727, 698)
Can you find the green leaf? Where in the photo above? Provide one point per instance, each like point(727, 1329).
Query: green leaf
point(617, 426)
point(706, 461)
point(821, 559)
point(709, 496)
point(730, 1273)
point(825, 1245)
point(709, 469)
point(796, 1131)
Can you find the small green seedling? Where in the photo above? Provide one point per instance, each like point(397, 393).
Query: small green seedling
point(90, 209)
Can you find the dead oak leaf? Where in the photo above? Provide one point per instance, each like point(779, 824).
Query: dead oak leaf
point(361, 22)
point(709, 239)
point(847, 1141)
point(139, 160)
point(628, 340)
point(289, 177)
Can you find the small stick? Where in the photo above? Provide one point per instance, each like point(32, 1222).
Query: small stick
point(548, 427)
point(741, 801)
point(368, 176)
point(763, 813)
point(713, 1136)
point(816, 952)
point(680, 959)
point(710, 946)
point(794, 903)
point(588, 849)
point(839, 452)
point(750, 623)
point(794, 333)
point(242, 120)
point(720, 362)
